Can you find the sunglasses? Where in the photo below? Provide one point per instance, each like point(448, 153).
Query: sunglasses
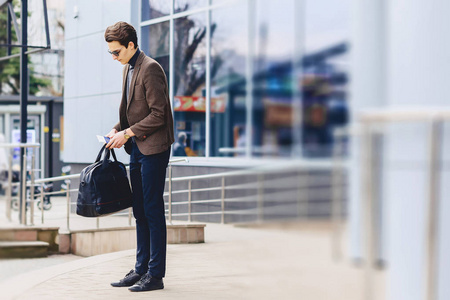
point(115, 52)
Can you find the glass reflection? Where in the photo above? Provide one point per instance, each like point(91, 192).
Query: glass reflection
point(152, 9)
point(189, 83)
point(184, 5)
point(273, 78)
point(325, 75)
point(278, 87)
point(156, 43)
point(228, 63)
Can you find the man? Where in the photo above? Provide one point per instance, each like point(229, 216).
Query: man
point(178, 147)
point(146, 130)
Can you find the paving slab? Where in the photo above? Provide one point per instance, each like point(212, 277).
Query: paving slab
point(234, 263)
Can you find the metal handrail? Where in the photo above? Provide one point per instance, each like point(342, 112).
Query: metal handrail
point(38, 182)
point(296, 164)
point(435, 118)
point(25, 146)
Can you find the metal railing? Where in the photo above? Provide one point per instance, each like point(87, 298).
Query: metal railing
point(258, 197)
point(32, 197)
point(304, 181)
point(23, 176)
point(370, 132)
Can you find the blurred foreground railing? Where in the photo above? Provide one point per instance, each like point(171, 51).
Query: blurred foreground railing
point(23, 176)
point(370, 130)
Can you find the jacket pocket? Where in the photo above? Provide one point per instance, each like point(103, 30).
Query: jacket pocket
point(139, 93)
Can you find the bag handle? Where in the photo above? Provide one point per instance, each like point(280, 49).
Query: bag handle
point(107, 154)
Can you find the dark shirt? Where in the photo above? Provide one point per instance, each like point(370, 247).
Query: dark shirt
point(132, 61)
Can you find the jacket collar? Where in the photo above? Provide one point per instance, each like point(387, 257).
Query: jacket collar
point(137, 68)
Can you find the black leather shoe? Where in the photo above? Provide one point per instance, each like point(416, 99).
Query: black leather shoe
point(131, 278)
point(147, 283)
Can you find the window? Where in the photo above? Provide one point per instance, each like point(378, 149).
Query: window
point(153, 9)
point(325, 75)
point(189, 103)
point(273, 78)
point(156, 44)
point(229, 53)
point(266, 98)
point(185, 5)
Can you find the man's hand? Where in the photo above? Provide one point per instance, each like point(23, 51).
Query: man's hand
point(117, 139)
point(111, 133)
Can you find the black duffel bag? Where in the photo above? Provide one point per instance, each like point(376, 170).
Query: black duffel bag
point(104, 187)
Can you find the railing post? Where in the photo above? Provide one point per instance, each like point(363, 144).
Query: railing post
point(129, 216)
point(434, 186)
point(23, 192)
point(9, 190)
point(223, 200)
point(367, 197)
point(32, 188)
point(68, 204)
point(260, 199)
point(170, 193)
point(98, 222)
point(303, 195)
point(41, 206)
point(307, 194)
point(190, 201)
point(337, 190)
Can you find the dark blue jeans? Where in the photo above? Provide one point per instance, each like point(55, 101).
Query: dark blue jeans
point(148, 176)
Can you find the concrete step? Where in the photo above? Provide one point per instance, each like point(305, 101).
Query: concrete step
point(23, 249)
point(32, 233)
point(89, 242)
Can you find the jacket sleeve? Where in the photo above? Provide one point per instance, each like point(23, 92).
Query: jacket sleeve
point(117, 126)
point(157, 101)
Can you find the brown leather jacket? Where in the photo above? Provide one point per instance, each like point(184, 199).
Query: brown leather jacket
point(148, 113)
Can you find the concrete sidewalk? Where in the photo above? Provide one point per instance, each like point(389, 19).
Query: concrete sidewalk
point(234, 263)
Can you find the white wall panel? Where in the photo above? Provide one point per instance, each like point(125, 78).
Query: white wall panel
point(93, 80)
point(71, 70)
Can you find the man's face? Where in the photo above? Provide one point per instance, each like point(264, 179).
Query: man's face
point(120, 53)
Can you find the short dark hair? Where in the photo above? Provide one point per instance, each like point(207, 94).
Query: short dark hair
point(122, 32)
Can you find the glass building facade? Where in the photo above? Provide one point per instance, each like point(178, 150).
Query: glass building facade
point(252, 78)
